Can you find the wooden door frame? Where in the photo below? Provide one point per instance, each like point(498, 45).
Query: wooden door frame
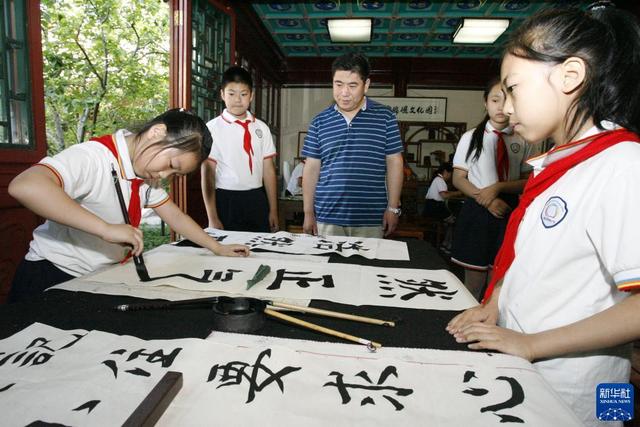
point(180, 56)
point(17, 222)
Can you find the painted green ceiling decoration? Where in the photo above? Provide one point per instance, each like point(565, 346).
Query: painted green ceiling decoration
point(400, 28)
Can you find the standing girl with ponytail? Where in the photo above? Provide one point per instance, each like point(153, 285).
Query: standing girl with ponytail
point(488, 165)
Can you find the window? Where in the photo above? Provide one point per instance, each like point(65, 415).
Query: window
point(15, 96)
point(211, 44)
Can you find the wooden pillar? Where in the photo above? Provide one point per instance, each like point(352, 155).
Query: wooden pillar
point(179, 79)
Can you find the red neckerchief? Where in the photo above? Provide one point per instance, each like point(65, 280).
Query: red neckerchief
point(538, 184)
point(502, 157)
point(247, 142)
point(134, 210)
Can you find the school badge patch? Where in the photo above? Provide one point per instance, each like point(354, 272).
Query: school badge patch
point(554, 212)
point(515, 147)
point(259, 133)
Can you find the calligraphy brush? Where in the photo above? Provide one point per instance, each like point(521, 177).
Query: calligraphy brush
point(187, 303)
point(330, 313)
point(371, 345)
point(141, 269)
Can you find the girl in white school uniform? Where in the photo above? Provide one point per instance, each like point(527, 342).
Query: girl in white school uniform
point(565, 287)
point(75, 192)
point(488, 164)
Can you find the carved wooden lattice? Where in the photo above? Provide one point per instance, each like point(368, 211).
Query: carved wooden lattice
point(211, 48)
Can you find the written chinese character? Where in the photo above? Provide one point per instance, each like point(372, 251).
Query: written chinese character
point(516, 398)
point(144, 356)
point(364, 382)
point(328, 245)
point(258, 376)
point(280, 242)
point(300, 278)
point(37, 352)
point(206, 276)
point(427, 287)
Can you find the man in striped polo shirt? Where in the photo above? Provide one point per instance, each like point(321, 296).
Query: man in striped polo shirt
point(352, 179)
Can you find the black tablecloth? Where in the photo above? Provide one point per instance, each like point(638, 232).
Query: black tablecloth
point(82, 310)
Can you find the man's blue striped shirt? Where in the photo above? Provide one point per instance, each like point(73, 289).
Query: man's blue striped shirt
point(352, 187)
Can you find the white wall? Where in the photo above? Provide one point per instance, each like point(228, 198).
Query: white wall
point(300, 106)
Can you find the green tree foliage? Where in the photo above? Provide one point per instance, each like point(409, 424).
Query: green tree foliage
point(106, 66)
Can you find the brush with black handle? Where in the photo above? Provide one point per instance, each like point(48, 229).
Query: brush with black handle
point(141, 269)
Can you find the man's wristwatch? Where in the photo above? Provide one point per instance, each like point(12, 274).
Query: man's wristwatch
point(396, 211)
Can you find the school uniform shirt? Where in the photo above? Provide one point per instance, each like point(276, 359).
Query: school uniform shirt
point(293, 186)
point(233, 171)
point(575, 254)
point(84, 173)
point(482, 172)
point(437, 185)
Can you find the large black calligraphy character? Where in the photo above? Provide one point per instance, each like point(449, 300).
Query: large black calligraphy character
point(517, 397)
point(158, 356)
point(282, 275)
point(206, 276)
point(39, 351)
point(233, 373)
point(427, 287)
point(386, 391)
point(328, 245)
point(279, 242)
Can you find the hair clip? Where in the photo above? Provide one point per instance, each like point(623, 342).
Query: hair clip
point(599, 5)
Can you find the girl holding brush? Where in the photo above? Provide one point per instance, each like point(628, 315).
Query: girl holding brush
point(74, 191)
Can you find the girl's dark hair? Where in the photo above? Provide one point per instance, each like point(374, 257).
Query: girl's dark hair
point(608, 41)
point(185, 131)
point(475, 147)
point(444, 167)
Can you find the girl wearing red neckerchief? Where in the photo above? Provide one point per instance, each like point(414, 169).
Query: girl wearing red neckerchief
point(75, 192)
point(564, 294)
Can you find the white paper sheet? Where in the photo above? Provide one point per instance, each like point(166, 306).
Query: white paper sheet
point(342, 283)
point(291, 243)
point(108, 375)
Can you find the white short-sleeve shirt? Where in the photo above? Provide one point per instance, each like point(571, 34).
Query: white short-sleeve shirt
point(84, 172)
point(482, 172)
point(438, 185)
point(232, 161)
point(293, 186)
point(576, 250)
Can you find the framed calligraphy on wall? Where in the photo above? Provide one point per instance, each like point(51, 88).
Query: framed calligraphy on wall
point(416, 109)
